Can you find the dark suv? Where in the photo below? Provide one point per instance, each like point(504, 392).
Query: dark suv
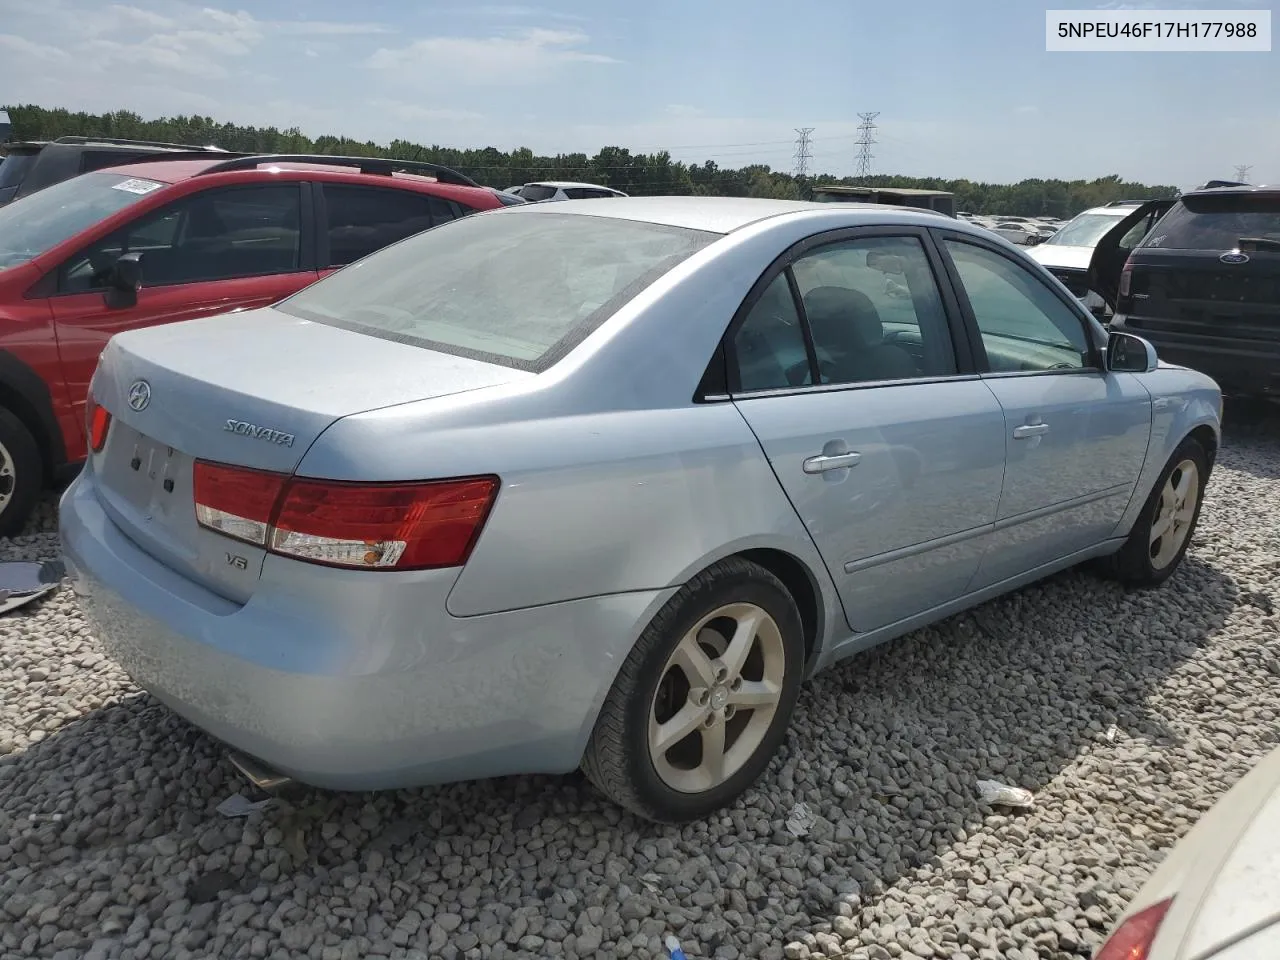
point(32, 165)
point(1204, 287)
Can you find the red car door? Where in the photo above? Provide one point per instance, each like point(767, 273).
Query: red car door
point(222, 249)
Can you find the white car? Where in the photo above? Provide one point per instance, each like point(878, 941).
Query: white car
point(564, 190)
point(1216, 895)
point(1069, 252)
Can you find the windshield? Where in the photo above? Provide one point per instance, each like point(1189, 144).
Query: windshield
point(513, 288)
point(1085, 230)
point(41, 221)
point(1217, 223)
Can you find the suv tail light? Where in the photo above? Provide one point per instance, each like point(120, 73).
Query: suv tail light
point(368, 526)
point(1132, 939)
point(97, 423)
point(1126, 277)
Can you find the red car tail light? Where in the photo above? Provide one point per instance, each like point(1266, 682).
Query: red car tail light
point(98, 421)
point(369, 526)
point(236, 502)
point(1126, 277)
point(1132, 939)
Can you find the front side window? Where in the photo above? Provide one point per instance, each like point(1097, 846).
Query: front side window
point(1025, 327)
point(364, 219)
point(39, 222)
point(218, 234)
point(507, 287)
point(874, 311)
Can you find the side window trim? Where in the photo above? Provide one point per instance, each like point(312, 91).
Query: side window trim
point(965, 366)
point(974, 333)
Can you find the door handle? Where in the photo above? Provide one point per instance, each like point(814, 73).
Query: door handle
point(831, 461)
point(1030, 430)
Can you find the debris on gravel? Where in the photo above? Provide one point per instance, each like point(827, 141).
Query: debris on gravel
point(1125, 714)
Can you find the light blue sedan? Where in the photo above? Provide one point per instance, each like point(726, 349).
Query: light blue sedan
point(600, 484)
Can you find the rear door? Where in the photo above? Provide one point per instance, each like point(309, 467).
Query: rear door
point(221, 249)
point(844, 364)
point(1076, 433)
point(355, 221)
point(1113, 249)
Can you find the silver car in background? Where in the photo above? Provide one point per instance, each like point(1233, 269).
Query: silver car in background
point(600, 484)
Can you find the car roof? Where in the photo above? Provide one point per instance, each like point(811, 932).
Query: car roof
point(1245, 189)
point(176, 171)
point(566, 183)
point(717, 214)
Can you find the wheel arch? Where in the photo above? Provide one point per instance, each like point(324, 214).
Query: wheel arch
point(25, 394)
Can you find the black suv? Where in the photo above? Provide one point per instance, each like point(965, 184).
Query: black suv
point(29, 166)
point(1204, 287)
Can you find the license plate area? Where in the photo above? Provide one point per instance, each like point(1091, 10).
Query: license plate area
point(150, 479)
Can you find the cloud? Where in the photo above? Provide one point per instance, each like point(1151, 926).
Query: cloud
point(525, 57)
point(29, 49)
point(1028, 110)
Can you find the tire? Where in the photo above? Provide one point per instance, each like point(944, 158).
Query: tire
point(1142, 563)
point(676, 784)
point(21, 474)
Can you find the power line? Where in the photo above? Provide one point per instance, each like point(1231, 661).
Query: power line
point(866, 137)
point(1242, 172)
point(803, 154)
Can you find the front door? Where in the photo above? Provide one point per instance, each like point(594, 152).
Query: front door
point(1076, 434)
point(846, 371)
point(214, 251)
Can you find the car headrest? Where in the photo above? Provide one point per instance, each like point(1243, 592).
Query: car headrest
point(839, 315)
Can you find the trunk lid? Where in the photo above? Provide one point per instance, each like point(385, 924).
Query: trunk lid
point(251, 389)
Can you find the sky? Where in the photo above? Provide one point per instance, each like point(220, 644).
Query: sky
point(961, 89)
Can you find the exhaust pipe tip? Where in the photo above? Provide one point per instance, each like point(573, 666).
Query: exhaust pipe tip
point(259, 774)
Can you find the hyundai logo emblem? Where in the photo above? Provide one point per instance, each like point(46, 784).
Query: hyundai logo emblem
point(139, 395)
point(1235, 256)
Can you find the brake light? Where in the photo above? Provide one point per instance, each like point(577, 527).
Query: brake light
point(369, 526)
point(1126, 277)
point(1132, 940)
point(99, 423)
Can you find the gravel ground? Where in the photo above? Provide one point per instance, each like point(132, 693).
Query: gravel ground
point(1126, 714)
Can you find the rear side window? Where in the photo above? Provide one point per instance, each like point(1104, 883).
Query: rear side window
point(364, 219)
point(1217, 223)
point(507, 287)
point(535, 192)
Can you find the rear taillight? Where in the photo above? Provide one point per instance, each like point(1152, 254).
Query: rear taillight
point(369, 526)
point(1126, 277)
point(98, 423)
point(1132, 940)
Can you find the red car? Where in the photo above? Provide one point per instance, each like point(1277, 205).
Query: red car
point(162, 240)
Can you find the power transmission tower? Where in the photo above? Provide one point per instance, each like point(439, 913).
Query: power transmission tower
point(803, 155)
point(1242, 172)
point(866, 137)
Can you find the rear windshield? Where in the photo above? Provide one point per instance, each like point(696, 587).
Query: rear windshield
point(40, 221)
point(1217, 223)
point(510, 287)
point(15, 166)
point(535, 192)
point(1085, 230)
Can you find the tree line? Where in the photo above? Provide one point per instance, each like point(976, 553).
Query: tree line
point(634, 173)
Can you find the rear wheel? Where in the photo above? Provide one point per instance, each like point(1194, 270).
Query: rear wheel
point(702, 703)
point(21, 474)
point(1162, 533)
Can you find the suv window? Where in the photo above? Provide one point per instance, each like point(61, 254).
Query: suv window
point(874, 311)
point(1025, 327)
point(1217, 222)
point(218, 234)
point(364, 219)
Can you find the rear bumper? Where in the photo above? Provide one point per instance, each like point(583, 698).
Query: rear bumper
point(351, 680)
point(1237, 366)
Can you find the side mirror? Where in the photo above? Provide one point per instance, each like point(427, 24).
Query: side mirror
point(1129, 354)
point(124, 281)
